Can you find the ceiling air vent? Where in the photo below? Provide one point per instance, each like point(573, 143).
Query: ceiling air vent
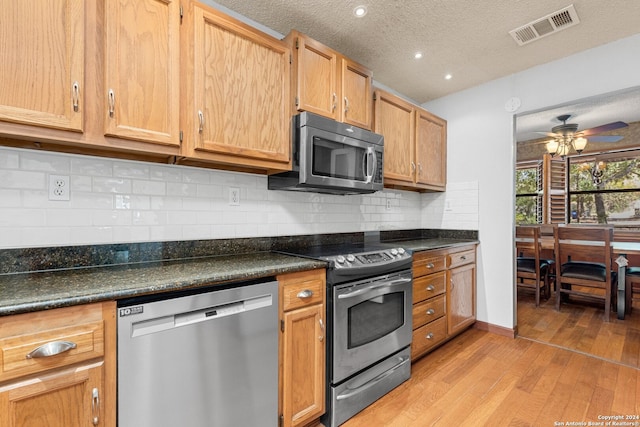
point(552, 23)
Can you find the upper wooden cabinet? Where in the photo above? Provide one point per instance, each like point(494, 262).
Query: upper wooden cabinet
point(235, 109)
point(415, 144)
point(327, 83)
point(431, 151)
point(43, 63)
point(142, 59)
point(91, 77)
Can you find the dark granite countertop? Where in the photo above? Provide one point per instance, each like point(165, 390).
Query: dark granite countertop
point(45, 278)
point(417, 245)
point(25, 292)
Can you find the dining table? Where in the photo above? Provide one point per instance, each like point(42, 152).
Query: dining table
point(620, 250)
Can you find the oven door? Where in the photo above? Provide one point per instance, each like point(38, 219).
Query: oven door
point(371, 320)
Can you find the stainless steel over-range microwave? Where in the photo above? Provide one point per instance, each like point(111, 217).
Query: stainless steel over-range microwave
point(332, 157)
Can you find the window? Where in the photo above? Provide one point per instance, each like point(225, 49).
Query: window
point(605, 189)
point(527, 200)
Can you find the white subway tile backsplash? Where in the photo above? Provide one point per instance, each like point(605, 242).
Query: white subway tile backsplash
point(115, 201)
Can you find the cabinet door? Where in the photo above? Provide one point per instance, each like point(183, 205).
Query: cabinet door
point(241, 90)
point(317, 78)
point(42, 66)
point(357, 103)
point(431, 150)
point(461, 301)
point(72, 397)
point(142, 84)
point(303, 362)
point(394, 119)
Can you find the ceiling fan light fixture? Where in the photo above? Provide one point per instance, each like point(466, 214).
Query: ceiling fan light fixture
point(579, 144)
point(552, 147)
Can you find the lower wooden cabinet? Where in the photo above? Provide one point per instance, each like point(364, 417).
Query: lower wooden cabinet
point(444, 296)
point(58, 367)
point(302, 347)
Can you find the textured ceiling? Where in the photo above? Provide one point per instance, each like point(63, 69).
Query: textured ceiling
point(469, 39)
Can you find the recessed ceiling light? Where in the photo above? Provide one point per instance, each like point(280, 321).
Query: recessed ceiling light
point(448, 77)
point(418, 55)
point(360, 11)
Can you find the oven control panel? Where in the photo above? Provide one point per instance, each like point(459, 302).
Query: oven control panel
point(378, 257)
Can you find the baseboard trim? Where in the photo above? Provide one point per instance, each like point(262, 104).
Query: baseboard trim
point(495, 329)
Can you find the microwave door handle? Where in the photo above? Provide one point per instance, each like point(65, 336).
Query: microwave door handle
point(387, 284)
point(370, 153)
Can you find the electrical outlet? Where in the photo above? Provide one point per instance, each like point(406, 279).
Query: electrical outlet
point(59, 187)
point(388, 204)
point(234, 196)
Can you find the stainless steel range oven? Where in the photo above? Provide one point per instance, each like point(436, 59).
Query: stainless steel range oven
point(369, 297)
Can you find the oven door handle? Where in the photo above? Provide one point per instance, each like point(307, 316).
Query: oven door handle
point(374, 381)
point(372, 287)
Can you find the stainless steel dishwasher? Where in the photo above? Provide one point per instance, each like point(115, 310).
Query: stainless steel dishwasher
point(200, 360)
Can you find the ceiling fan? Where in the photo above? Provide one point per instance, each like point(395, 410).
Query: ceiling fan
point(566, 136)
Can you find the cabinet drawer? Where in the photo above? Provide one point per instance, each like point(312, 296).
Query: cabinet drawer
point(429, 286)
point(428, 336)
point(302, 289)
point(36, 342)
point(462, 258)
point(426, 263)
point(427, 311)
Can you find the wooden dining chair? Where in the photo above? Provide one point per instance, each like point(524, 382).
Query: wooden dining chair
point(632, 287)
point(584, 264)
point(531, 271)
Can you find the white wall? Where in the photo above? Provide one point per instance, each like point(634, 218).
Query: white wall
point(481, 149)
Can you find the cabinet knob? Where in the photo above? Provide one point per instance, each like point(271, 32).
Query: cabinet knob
point(200, 121)
point(431, 288)
point(76, 96)
point(52, 348)
point(95, 406)
point(112, 102)
point(321, 337)
point(430, 265)
point(430, 312)
point(429, 336)
point(307, 293)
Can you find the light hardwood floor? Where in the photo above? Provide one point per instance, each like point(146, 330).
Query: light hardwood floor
point(580, 327)
point(483, 379)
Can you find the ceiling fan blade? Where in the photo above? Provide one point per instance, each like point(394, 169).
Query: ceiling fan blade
point(604, 128)
point(604, 138)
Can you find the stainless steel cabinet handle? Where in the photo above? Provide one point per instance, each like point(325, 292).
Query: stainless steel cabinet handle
point(76, 96)
point(419, 168)
point(307, 293)
point(413, 166)
point(431, 311)
point(321, 337)
point(430, 265)
point(429, 336)
point(52, 348)
point(335, 101)
point(200, 121)
point(346, 104)
point(112, 103)
point(431, 288)
point(95, 406)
